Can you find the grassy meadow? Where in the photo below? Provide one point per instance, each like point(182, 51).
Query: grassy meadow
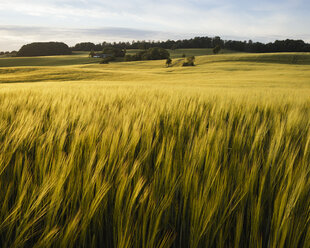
point(135, 154)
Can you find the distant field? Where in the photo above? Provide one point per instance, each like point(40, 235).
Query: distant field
point(75, 59)
point(232, 70)
point(135, 154)
point(82, 58)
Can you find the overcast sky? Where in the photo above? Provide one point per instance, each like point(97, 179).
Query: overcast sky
point(73, 21)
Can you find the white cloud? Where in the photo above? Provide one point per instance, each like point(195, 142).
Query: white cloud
point(239, 18)
point(13, 37)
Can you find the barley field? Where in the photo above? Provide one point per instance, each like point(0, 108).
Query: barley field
point(138, 155)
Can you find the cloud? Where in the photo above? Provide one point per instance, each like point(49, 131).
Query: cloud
point(13, 37)
point(77, 20)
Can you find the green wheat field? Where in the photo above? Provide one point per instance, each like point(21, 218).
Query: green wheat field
point(135, 154)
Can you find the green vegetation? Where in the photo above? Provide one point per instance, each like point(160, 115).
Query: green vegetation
point(168, 62)
point(154, 53)
point(91, 54)
point(77, 58)
point(87, 46)
point(178, 53)
point(287, 45)
point(44, 49)
point(8, 54)
point(115, 52)
point(136, 154)
point(189, 61)
point(217, 49)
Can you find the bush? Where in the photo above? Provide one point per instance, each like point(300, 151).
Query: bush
point(217, 49)
point(168, 62)
point(190, 61)
point(154, 53)
point(116, 52)
point(91, 54)
point(84, 46)
point(13, 53)
point(44, 49)
point(8, 54)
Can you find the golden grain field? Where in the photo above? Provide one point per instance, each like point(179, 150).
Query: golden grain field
point(139, 155)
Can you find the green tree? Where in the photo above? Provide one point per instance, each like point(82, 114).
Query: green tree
point(217, 49)
point(44, 49)
point(154, 53)
point(113, 51)
point(91, 54)
point(189, 61)
point(168, 62)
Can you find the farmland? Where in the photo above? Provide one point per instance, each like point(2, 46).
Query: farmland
point(135, 154)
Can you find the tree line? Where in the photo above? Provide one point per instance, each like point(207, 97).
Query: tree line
point(59, 48)
point(8, 54)
point(44, 49)
point(287, 45)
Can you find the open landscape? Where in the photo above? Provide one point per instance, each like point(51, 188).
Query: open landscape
point(155, 124)
point(138, 154)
